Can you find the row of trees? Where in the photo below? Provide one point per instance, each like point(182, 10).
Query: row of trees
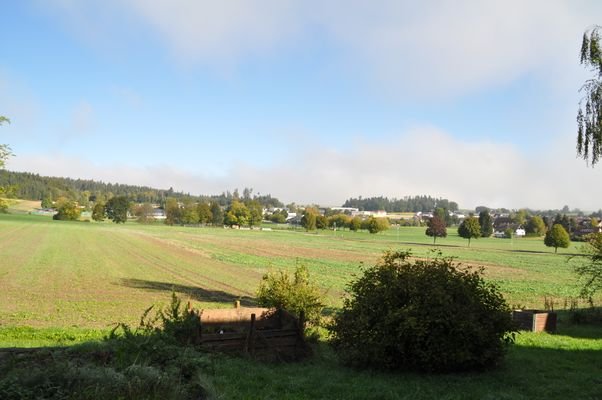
point(312, 220)
point(238, 213)
point(473, 227)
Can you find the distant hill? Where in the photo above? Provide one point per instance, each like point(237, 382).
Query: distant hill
point(31, 186)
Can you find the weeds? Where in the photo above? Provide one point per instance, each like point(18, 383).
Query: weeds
point(153, 361)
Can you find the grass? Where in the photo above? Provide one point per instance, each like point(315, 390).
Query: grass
point(85, 277)
point(92, 275)
point(28, 337)
point(538, 366)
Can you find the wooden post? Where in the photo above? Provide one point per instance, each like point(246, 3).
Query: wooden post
point(302, 324)
point(251, 336)
point(236, 303)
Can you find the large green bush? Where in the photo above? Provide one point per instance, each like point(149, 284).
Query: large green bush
point(422, 315)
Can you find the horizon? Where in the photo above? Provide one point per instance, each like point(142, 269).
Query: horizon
point(571, 210)
point(308, 102)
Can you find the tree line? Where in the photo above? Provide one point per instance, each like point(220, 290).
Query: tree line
point(555, 232)
point(249, 213)
point(405, 204)
point(86, 192)
point(312, 219)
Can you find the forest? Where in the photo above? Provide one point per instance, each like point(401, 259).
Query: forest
point(405, 204)
point(29, 186)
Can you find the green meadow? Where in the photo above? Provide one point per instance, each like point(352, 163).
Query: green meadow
point(67, 283)
point(90, 275)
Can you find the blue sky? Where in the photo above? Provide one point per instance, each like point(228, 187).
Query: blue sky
point(311, 102)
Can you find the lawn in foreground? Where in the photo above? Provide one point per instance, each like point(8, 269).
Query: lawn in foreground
point(538, 366)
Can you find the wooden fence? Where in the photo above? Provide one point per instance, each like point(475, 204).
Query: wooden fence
point(262, 333)
point(534, 320)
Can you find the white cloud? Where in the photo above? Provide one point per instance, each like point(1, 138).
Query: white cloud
point(214, 32)
point(454, 47)
point(433, 49)
point(423, 160)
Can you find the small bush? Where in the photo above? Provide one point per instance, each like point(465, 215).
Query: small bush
point(173, 323)
point(422, 316)
point(294, 294)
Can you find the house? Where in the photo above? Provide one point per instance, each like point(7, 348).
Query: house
point(346, 210)
point(158, 213)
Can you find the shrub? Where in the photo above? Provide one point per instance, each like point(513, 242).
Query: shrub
point(376, 225)
point(173, 323)
point(68, 211)
point(294, 294)
point(422, 315)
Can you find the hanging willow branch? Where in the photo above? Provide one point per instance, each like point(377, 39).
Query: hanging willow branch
point(589, 116)
point(5, 151)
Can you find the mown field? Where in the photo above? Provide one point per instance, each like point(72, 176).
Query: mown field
point(89, 275)
point(68, 282)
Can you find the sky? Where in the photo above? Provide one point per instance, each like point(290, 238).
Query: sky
point(309, 101)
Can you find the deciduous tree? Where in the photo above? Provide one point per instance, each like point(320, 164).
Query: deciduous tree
point(279, 217)
point(68, 211)
point(469, 228)
point(255, 212)
point(536, 226)
point(355, 224)
point(117, 209)
point(321, 222)
point(520, 217)
point(237, 214)
point(557, 237)
point(591, 272)
point(376, 225)
point(173, 212)
point(589, 115)
point(339, 221)
point(436, 228)
point(486, 223)
point(217, 215)
point(308, 221)
point(46, 202)
point(190, 216)
point(204, 211)
point(98, 212)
